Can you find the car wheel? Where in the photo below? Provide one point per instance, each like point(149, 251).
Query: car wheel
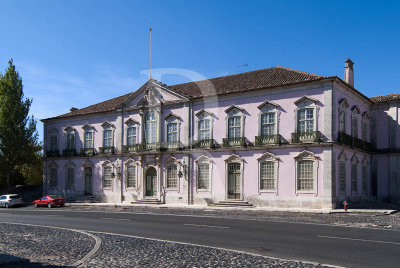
point(35, 205)
point(6, 205)
point(49, 205)
point(61, 205)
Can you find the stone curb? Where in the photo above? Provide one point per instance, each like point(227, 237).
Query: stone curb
point(317, 211)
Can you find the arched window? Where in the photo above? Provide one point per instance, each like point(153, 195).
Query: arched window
point(268, 172)
point(354, 174)
point(354, 121)
point(342, 121)
point(151, 127)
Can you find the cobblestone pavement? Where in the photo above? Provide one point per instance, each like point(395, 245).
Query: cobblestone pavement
point(49, 247)
point(122, 251)
point(44, 247)
point(370, 220)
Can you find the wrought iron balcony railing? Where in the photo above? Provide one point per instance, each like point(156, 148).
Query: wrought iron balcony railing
point(130, 148)
point(270, 139)
point(143, 147)
point(69, 152)
point(107, 150)
point(205, 144)
point(88, 151)
point(344, 138)
point(306, 137)
point(170, 146)
point(52, 153)
point(234, 142)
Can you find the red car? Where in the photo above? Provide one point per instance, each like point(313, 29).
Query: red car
point(49, 201)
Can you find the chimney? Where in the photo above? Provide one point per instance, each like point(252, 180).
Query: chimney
point(73, 109)
point(349, 72)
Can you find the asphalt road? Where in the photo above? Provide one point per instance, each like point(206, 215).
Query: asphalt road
point(334, 245)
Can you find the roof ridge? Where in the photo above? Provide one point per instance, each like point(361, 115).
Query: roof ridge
point(387, 95)
point(302, 72)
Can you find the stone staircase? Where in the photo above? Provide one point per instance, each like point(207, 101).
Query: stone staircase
point(147, 201)
point(83, 199)
point(232, 203)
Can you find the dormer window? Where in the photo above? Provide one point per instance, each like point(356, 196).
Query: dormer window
point(151, 127)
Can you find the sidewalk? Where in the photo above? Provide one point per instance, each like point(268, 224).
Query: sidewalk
point(376, 210)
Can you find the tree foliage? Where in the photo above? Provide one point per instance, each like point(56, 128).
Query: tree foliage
point(18, 137)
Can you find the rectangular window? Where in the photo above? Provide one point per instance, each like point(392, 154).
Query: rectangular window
point(88, 139)
point(107, 138)
point(204, 129)
point(53, 143)
point(131, 136)
point(354, 178)
point(203, 174)
point(70, 141)
point(172, 132)
point(131, 177)
point(364, 180)
point(172, 176)
point(53, 178)
point(342, 117)
point(305, 175)
point(354, 127)
point(268, 124)
point(267, 174)
point(234, 127)
point(107, 177)
point(342, 176)
point(364, 130)
point(70, 181)
point(305, 122)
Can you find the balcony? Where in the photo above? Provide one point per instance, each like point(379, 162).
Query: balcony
point(88, 151)
point(171, 146)
point(52, 153)
point(345, 139)
point(234, 142)
point(130, 148)
point(107, 150)
point(143, 147)
point(205, 144)
point(69, 152)
point(268, 140)
point(306, 137)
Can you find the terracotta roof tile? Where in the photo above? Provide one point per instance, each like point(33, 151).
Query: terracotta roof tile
point(385, 98)
point(265, 78)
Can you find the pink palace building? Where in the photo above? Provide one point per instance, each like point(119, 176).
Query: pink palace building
point(275, 137)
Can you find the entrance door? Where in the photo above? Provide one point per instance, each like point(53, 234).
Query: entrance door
point(151, 179)
point(88, 180)
point(234, 179)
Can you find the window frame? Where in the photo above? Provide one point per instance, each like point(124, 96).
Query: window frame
point(364, 177)
point(343, 105)
point(354, 163)
point(70, 184)
point(53, 137)
point(172, 119)
point(204, 160)
point(204, 115)
point(107, 164)
point(131, 123)
point(354, 121)
point(235, 112)
point(53, 166)
point(266, 108)
point(342, 160)
point(303, 103)
point(156, 127)
point(88, 129)
point(307, 156)
point(268, 158)
point(70, 145)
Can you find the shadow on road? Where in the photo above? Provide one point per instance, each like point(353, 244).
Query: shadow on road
point(11, 261)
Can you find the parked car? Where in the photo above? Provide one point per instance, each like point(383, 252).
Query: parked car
point(10, 200)
point(49, 201)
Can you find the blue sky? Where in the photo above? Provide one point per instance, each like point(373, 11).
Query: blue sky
point(77, 53)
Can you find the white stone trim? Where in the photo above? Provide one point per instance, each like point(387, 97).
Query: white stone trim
point(265, 108)
point(307, 155)
point(306, 103)
point(204, 160)
point(171, 118)
point(234, 158)
point(128, 163)
point(203, 115)
point(234, 111)
point(107, 163)
point(268, 157)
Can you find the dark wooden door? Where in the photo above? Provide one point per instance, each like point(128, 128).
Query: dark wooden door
point(151, 179)
point(234, 181)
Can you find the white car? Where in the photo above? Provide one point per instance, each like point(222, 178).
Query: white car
point(9, 200)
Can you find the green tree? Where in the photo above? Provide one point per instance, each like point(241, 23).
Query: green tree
point(18, 136)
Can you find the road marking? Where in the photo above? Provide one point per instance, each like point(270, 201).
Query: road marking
point(208, 226)
point(179, 242)
point(53, 215)
point(114, 219)
point(357, 239)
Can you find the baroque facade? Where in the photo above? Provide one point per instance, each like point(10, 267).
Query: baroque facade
point(274, 137)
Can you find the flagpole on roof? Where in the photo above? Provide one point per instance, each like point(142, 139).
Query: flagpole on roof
point(150, 55)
